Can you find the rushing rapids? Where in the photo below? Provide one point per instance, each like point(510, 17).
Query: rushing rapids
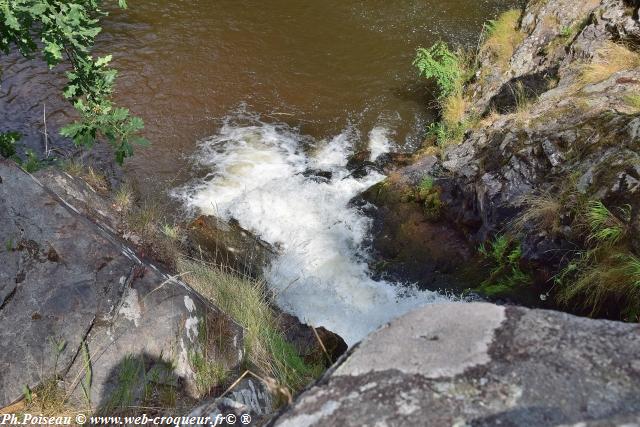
point(294, 193)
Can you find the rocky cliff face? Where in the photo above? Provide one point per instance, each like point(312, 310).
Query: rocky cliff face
point(553, 132)
point(572, 128)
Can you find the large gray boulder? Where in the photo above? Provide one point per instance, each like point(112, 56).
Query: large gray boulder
point(478, 364)
point(78, 304)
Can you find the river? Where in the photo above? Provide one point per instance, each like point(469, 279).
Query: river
point(243, 99)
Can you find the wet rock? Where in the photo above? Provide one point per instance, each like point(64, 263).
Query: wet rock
point(407, 245)
point(318, 175)
point(225, 243)
point(480, 365)
point(307, 343)
point(72, 291)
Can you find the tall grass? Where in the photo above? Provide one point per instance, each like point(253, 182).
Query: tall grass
point(503, 36)
point(607, 271)
point(246, 301)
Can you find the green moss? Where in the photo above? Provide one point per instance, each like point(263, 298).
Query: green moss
point(429, 195)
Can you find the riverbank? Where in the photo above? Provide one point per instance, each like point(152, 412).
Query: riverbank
point(122, 326)
point(542, 173)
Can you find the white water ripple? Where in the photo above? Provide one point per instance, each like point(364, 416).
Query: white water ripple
point(321, 275)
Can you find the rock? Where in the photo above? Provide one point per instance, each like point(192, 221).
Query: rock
point(249, 397)
point(480, 365)
point(71, 290)
point(306, 342)
point(227, 244)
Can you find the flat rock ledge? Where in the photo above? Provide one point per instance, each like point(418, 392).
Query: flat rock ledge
point(78, 304)
point(478, 364)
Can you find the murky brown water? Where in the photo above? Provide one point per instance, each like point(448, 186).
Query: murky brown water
point(318, 65)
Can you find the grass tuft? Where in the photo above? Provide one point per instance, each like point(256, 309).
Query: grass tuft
point(541, 211)
point(605, 228)
point(503, 36)
point(246, 301)
point(123, 199)
point(633, 102)
point(603, 276)
point(610, 59)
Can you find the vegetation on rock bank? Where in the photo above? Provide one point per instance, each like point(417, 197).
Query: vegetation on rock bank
point(560, 237)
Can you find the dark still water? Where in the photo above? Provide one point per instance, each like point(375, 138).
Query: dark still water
point(320, 66)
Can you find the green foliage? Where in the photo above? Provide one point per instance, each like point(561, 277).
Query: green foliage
point(600, 276)
point(442, 65)
point(8, 142)
point(450, 70)
point(429, 195)
point(446, 133)
point(426, 184)
point(503, 255)
point(32, 163)
point(131, 379)
point(67, 29)
point(606, 272)
point(605, 228)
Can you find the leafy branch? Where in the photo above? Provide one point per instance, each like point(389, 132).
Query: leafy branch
point(67, 29)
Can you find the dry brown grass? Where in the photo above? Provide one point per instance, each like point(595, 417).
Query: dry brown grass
point(504, 37)
point(49, 400)
point(123, 199)
point(96, 180)
point(453, 108)
point(542, 211)
point(610, 59)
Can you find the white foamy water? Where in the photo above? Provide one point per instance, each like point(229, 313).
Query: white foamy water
point(321, 274)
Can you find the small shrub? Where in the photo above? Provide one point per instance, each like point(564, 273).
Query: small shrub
point(8, 142)
point(443, 66)
point(32, 163)
point(450, 70)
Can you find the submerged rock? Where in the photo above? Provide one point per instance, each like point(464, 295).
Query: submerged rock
point(480, 365)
